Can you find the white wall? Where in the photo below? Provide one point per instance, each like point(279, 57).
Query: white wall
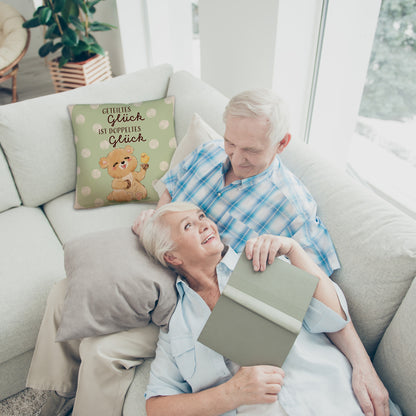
point(130, 49)
point(170, 33)
point(238, 42)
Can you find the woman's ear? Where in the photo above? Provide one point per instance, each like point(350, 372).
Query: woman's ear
point(170, 258)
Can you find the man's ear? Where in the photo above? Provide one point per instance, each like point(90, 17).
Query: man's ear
point(172, 259)
point(283, 143)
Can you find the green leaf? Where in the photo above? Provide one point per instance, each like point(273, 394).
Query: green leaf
point(100, 27)
point(52, 31)
point(96, 48)
point(82, 6)
point(92, 3)
point(70, 37)
point(66, 52)
point(45, 49)
point(63, 23)
point(77, 23)
point(62, 61)
point(82, 47)
point(34, 22)
point(57, 46)
point(70, 9)
point(58, 5)
point(44, 15)
point(89, 40)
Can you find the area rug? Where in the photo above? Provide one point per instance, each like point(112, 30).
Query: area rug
point(26, 403)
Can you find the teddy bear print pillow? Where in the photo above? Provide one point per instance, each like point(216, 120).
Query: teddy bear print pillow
point(122, 150)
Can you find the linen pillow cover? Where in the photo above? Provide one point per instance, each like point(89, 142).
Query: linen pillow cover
point(122, 149)
point(113, 285)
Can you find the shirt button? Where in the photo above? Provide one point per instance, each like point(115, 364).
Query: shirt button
point(219, 194)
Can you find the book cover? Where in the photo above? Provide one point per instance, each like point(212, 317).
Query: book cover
point(259, 314)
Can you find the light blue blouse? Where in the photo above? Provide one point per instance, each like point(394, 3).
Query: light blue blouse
point(317, 375)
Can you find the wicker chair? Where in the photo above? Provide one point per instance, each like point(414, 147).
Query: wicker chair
point(14, 42)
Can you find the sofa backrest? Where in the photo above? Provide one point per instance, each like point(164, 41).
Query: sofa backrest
point(9, 196)
point(376, 245)
point(36, 135)
point(194, 96)
point(375, 242)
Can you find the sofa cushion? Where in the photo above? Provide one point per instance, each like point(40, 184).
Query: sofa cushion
point(134, 404)
point(374, 241)
point(121, 150)
point(394, 359)
point(41, 127)
point(8, 193)
point(69, 223)
point(31, 260)
point(113, 286)
point(195, 96)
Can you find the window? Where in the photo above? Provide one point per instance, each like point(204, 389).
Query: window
point(383, 147)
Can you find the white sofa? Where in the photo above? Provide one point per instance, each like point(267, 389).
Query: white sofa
point(376, 244)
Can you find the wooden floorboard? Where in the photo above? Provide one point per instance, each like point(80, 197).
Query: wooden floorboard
point(33, 80)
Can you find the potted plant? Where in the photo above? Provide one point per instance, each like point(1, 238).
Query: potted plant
point(68, 32)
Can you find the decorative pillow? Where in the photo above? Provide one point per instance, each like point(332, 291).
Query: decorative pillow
point(113, 285)
point(198, 133)
point(122, 149)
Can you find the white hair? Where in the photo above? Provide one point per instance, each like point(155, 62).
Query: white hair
point(261, 104)
point(156, 236)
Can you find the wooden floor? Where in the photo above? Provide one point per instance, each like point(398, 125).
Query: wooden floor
point(33, 80)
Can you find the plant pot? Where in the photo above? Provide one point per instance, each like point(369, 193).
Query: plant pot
point(78, 74)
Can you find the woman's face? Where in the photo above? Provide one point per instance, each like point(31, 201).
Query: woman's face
point(195, 236)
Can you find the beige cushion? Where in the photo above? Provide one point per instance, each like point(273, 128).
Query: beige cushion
point(113, 286)
point(375, 242)
point(13, 36)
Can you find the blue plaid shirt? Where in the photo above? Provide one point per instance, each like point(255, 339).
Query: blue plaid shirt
point(273, 202)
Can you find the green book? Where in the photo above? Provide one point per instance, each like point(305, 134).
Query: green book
point(259, 314)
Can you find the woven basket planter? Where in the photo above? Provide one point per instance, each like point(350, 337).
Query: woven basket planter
point(78, 74)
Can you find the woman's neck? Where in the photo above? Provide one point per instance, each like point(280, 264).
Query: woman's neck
point(202, 278)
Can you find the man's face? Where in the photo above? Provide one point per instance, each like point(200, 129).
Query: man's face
point(247, 146)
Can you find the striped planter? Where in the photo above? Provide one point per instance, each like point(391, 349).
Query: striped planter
point(78, 74)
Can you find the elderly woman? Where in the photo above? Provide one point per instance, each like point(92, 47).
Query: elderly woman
point(187, 378)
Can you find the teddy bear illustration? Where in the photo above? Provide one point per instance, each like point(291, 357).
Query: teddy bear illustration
point(121, 164)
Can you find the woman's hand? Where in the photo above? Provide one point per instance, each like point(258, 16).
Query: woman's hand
point(255, 385)
point(264, 249)
point(141, 219)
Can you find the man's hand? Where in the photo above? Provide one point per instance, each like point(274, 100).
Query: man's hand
point(255, 385)
point(141, 219)
point(370, 392)
point(264, 249)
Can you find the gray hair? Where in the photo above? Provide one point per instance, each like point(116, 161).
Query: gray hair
point(156, 236)
point(261, 103)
